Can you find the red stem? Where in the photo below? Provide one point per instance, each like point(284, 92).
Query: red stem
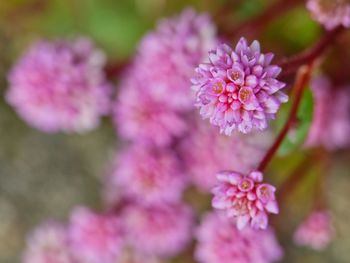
point(261, 20)
point(290, 65)
point(114, 69)
point(303, 78)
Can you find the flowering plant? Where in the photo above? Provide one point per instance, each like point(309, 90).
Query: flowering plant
point(217, 133)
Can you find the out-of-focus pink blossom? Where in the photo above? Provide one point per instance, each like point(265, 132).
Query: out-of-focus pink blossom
point(238, 89)
point(167, 56)
point(140, 118)
point(330, 126)
point(205, 152)
point(148, 175)
point(95, 238)
point(162, 230)
point(245, 198)
point(48, 244)
point(219, 241)
point(316, 231)
point(60, 86)
point(330, 13)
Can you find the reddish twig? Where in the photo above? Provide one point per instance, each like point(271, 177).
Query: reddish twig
point(261, 20)
point(113, 70)
point(302, 79)
point(290, 65)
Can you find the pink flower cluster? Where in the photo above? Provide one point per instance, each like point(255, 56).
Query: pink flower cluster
point(238, 89)
point(316, 231)
point(92, 237)
point(48, 244)
point(205, 152)
point(139, 118)
point(60, 86)
point(219, 241)
point(95, 238)
point(155, 91)
point(161, 230)
point(147, 221)
point(245, 198)
point(330, 13)
point(167, 56)
point(330, 126)
point(148, 175)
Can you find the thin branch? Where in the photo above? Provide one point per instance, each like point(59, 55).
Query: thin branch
point(290, 65)
point(302, 79)
point(114, 69)
point(260, 21)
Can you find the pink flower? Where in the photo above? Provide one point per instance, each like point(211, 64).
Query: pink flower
point(205, 152)
point(48, 244)
point(238, 89)
point(331, 124)
point(245, 198)
point(148, 175)
point(163, 230)
point(140, 118)
point(95, 238)
point(316, 231)
point(60, 86)
point(219, 241)
point(167, 56)
point(330, 13)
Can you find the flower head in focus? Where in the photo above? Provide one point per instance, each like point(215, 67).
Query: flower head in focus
point(316, 231)
point(60, 86)
point(330, 126)
point(148, 175)
point(167, 56)
point(245, 198)
point(205, 152)
point(95, 238)
point(48, 244)
point(161, 230)
point(219, 241)
point(238, 89)
point(330, 13)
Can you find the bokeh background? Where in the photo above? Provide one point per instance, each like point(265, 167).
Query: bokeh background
point(43, 176)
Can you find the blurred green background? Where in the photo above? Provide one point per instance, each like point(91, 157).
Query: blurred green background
point(44, 176)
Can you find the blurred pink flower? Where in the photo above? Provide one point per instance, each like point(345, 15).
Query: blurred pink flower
point(245, 198)
point(219, 241)
point(148, 175)
point(60, 86)
point(95, 238)
point(163, 230)
point(316, 231)
point(331, 125)
point(205, 152)
point(138, 117)
point(167, 56)
point(48, 244)
point(330, 13)
point(238, 89)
